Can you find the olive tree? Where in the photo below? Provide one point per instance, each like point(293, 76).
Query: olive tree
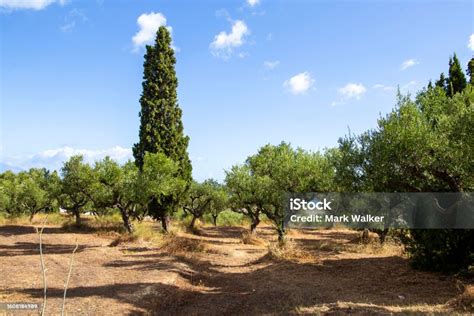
point(159, 180)
point(205, 197)
point(246, 194)
point(9, 190)
point(117, 188)
point(219, 201)
point(77, 186)
point(282, 170)
point(37, 191)
point(263, 182)
point(423, 145)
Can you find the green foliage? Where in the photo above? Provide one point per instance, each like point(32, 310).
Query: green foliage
point(261, 185)
point(441, 250)
point(424, 145)
point(470, 71)
point(442, 82)
point(219, 201)
point(208, 196)
point(160, 185)
point(29, 192)
point(117, 188)
point(247, 193)
point(230, 218)
point(77, 186)
point(456, 81)
point(161, 128)
point(9, 190)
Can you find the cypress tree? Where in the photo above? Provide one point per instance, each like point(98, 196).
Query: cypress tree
point(441, 82)
point(470, 71)
point(457, 79)
point(161, 128)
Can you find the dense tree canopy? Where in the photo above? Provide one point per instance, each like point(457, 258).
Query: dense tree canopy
point(261, 185)
point(423, 145)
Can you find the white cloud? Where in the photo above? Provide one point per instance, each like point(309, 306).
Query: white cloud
point(53, 158)
point(406, 87)
point(471, 42)
point(149, 24)
point(270, 65)
point(299, 83)
point(408, 64)
point(224, 43)
point(352, 90)
point(28, 4)
point(72, 18)
point(383, 87)
point(253, 3)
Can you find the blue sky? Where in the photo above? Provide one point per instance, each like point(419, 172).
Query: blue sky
point(250, 73)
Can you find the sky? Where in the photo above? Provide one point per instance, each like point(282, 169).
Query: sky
point(251, 72)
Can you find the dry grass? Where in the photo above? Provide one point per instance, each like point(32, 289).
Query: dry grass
point(329, 246)
point(342, 308)
point(123, 239)
point(196, 230)
point(289, 251)
point(147, 231)
point(178, 245)
point(465, 301)
point(374, 247)
point(53, 219)
point(143, 232)
point(252, 239)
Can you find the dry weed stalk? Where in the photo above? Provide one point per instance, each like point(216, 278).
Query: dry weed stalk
point(68, 277)
point(43, 268)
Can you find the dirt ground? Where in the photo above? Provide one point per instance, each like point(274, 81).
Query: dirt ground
point(223, 277)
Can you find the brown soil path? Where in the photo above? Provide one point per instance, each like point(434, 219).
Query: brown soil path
point(226, 277)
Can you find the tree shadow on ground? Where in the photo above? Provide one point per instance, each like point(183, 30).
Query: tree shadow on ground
point(31, 248)
point(368, 285)
point(85, 228)
point(277, 288)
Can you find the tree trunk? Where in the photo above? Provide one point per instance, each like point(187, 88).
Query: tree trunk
point(126, 220)
point(77, 214)
point(365, 236)
point(214, 219)
point(383, 235)
point(193, 221)
point(281, 235)
point(254, 224)
point(164, 223)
